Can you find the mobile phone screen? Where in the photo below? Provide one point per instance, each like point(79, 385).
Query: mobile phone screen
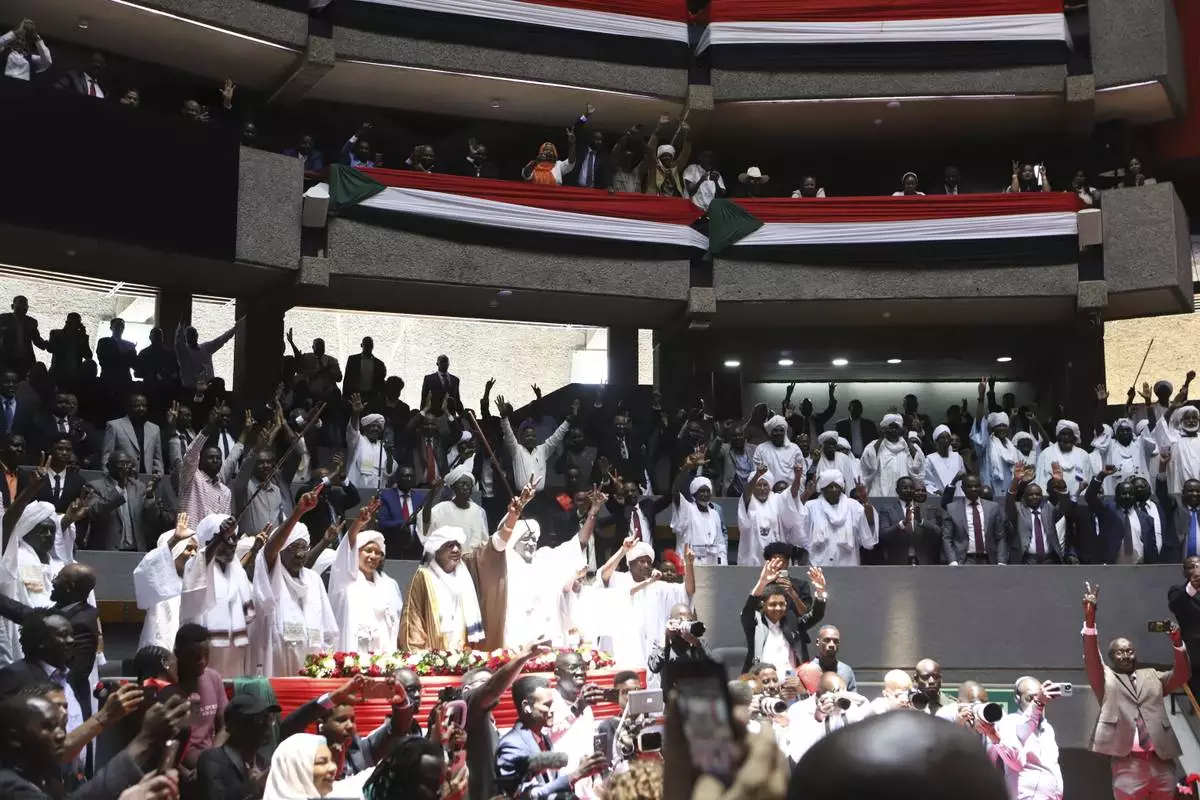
point(703, 705)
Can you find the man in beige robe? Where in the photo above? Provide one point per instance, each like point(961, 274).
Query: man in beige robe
point(442, 612)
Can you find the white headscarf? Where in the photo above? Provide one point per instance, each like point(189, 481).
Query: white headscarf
point(638, 551)
point(665, 148)
point(829, 476)
point(458, 473)
point(209, 527)
point(454, 591)
point(34, 514)
point(698, 483)
point(997, 418)
point(178, 549)
point(843, 444)
point(1066, 424)
point(827, 436)
point(291, 773)
point(774, 422)
point(832, 520)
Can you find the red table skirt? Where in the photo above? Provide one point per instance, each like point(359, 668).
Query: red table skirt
point(295, 692)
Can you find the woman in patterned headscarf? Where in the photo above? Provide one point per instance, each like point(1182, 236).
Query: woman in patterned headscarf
point(546, 169)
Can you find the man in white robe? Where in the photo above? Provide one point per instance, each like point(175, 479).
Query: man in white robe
point(943, 465)
point(890, 458)
point(26, 567)
point(295, 617)
point(777, 454)
point(643, 599)
point(839, 525)
point(696, 522)
point(1120, 447)
point(834, 456)
point(217, 594)
point(368, 460)
point(765, 517)
point(442, 612)
point(1178, 435)
point(537, 577)
point(158, 584)
point(461, 511)
point(1074, 462)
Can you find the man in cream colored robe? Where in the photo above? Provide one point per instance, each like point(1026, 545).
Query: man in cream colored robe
point(442, 612)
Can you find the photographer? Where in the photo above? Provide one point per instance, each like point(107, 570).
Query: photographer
point(776, 621)
point(831, 708)
point(1025, 742)
point(681, 642)
point(574, 725)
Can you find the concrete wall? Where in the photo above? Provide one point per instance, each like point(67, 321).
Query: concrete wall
point(270, 196)
point(1135, 41)
point(247, 16)
point(1147, 251)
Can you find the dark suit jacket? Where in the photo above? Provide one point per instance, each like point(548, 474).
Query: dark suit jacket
point(467, 169)
point(1187, 613)
point(870, 431)
point(86, 630)
point(9, 350)
point(1113, 523)
point(1020, 522)
point(220, 772)
point(72, 485)
point(512, 760)
point(995, 534)
point(22, 480)
point(25, 416)
point(432, 387)
point(795, 629)
point(118, 775)
point(76, 81)
point(354, 375)
point(608, 446)
point(927, 537)
point(84, 438)
point(605, 164)
point(1176, 520)
point(331, 505)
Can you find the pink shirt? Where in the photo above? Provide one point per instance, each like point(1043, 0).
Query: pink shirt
point(208, 701)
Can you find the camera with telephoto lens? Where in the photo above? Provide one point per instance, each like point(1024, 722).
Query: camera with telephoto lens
point(767, 706)
point(917, 699)
point(687, 626)
point(987, 712)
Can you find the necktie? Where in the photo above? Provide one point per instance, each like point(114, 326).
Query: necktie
point(1149, 540)
point(8, 415)
point(1039, 541)
point(1139, 724)
point(637, 524)
point(57, 487)
point(63, 425)
point(224, 437)
point(91, 87)
point(908, 516)
point(980, 547)
point(403, 507)
point(430, 470)
point(1193, 545)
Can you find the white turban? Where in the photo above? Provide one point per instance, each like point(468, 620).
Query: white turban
point(1021, 436)
point(372, 419)
point(665, 149)
point(209, 527)
point(827, 436)
point(367, 537)
point(997, 418)
point(458, 473)
point(299, 534)
point(466, 437)
point(774, 422)
point(843, 444)
point(829, 476)
point(699, 483)
point(530, 525)
point(891, 419)
point(179, 547)
point(1066, 424)
point(1123, 422)
point(442, 537)
point(638, 551)
point(939, 430)
point(766, 476)
point(913, 436)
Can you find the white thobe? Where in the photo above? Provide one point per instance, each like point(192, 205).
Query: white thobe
point(834, 541)
point(843, 463)
point(883, 467)
point(1131, 460)
point(805, 730)
point(367, 467)
point(1185, 454)
point(295, 618)
point(472, 520)
point(703, 531)
point(222, 600)
point(367, 611)
point(650, 609)
point(779, 461)
point(941, 470)
point(779, 519)
point(157, 587)
point(535, 588)
point(1076, 468)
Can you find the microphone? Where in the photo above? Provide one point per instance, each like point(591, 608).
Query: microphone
point(545, 762)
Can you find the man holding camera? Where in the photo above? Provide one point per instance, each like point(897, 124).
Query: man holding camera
point(682, 642)
point(1025, 742)
point(830, 708)
point(1132, 728)
point(574, 724)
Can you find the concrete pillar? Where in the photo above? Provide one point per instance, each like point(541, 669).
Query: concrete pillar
point(258, 348)
point(623, 356)
point(1079, 369)
point(170, 309)
point(682, 371)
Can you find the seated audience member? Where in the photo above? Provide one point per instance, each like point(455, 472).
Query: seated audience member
point(820, 714)
point(661, 161)
point(808, 188)
point(910, 185)
point(1026, 744)
point(776, 621)
point(1083, 188)
point(312, 158)
point(24, 52)
point(1135, 175)
point(829, 642)
point(121, 508)
point(547, 169)
point(1028, 178)
point(357, 150)
point(135, 436)
point(977, 530)
point(237, 768)
point(302, 766)
point(702, 182)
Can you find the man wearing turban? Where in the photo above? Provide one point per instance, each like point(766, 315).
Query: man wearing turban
point(890, 458)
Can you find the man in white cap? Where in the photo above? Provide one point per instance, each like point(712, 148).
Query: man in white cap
point(1074, 462)
point(157, 584)
point(697, 523)
point(1179, 443)
point(649, 599)
point(217, 594)
point(460, 511)
point(943, 465)
point(994, 449)
point(295, 617)
point(833, 456)
point(778, 455)
point(442, 612)
point(890, 458)
point(838, 525)
point(367, 459)
point(1120, 447)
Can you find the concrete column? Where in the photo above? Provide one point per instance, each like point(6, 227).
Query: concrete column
point(258, 348)
point(682, 371)
point(623, 356)
point(1079, 369)
point(170, 309)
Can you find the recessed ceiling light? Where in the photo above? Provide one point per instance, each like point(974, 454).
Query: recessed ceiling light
point(505, 292)
point(1004, 359)
point(786, 362)
point(895, 361)
point(878, 121)
point(733, 363)
point(495, 104)
point(893, 104)
point(840, 362)
point(84, 22)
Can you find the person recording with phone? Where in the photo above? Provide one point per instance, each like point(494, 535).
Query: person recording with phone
point(1024, 741)
point(682, 641)
point(830, 709)
point(1132, 728)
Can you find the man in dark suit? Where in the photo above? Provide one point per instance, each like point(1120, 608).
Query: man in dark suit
point(12, 457)
point(16, 415)
point(1181, 517)
point(595, 165)
point(332, 504)
point(438, 384)
point(135, 436)
point(1119, 542)
point(18, 336)
point(120, 511)
point(977, 533)
point(365, 373)
point(399, 514)
point(910, 533)
point(64, 423)
point(620, 443)
point(528, 740)
point(1185, 606)
point(630, 514)
point(1032, 523)
point(224, 771)
point(87, 82)
point(63, 485)
point(857, 429)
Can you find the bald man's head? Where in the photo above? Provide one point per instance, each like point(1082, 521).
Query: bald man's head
point(897, 680)
point(929, 678)
point(972, 692)
point(682, 611)
point(831, 682)
point(897, 756)
point(73, 584)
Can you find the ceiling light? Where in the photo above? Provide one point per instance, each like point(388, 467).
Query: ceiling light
point(505, 292)
point(840, 362)
point(893, 104)
point(733, 363)
point(84, 22)
point(1004, 359)
point(895, 361)
point(878, 121)
point(786, 362)
point(495, 104)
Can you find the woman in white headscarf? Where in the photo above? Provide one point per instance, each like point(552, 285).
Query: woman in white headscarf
point(890, 457)
point(765, 516)
point(696, 521)
point(838, 525)
point(158, 583)
point(217, 594)
point(366, 603)
point(367, 462)
point(295, 616)
point(301, 768)
point(442, 612)
point(26, 567)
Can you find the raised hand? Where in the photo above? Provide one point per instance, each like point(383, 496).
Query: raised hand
point(351, 692)
point(308, 500)
point(817, 578)
point(629, 543)
point(1091, 594)
point(181, 525)
point(1146, 394)
point(368, 511)
point(663, 119)
point(1101, 392)
point(356, 404)
point(123, 702)
point(1191, 376)
point(860, 492)
point(689, 556)
point(332, 533)
point(227, 91)
point(528, 491)
point(1056, 471)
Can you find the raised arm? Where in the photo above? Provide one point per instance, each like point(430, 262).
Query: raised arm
point(488, 695)
point(13, 513)
point(1091, 648)
point(213, 345)
point(278, 537)
point(610, 566)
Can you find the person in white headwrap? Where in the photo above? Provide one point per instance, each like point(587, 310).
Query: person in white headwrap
point(778, 454)
point(696, 522)
point(295, 616)
point(890, 458)
point(537, 577)
point(642, 598)
point(442, 612)
point(158, 583)
point(1075, 462)
point(661, 165)
point(943, 465)
point(367, 463)
point(995, 452)
point(838, 525)
point(460, 511)
point(366, 602)
point(26, 566)
point(302, 768)
point(1028, 450)
point(1119, 446)
point(831, 455)
point(1176, 434)
point(217, 594)
point(765, 516)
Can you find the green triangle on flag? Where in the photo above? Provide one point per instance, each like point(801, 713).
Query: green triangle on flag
point(349, 187)
point(728, 223)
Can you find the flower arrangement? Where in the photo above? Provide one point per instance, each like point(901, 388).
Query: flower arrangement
point(441, 663)
point(1188, 787)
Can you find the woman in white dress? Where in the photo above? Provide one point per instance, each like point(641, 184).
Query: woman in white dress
point(765, 516)
point(158, 583)
point(366, 603)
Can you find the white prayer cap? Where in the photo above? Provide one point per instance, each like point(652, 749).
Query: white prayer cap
point(638, 551)
point(1123, 422)
point(829, 476)
point(1142, 426)
point(827, 436)
point(775, 422)
point(843, 444)
point(458, 473)
point(1188, 411)
point(939, 430)
point(913, 436)
point(1064, 425)
point(665, 148)
point(372, 419)
point(299, 534)
point(891, 419)
point(997, 418)
point(532, 526)
point(179, 547)
point(699, 483)
point(1023, 435)
point(442, 537)
point(209, 527)
point(367, 537)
